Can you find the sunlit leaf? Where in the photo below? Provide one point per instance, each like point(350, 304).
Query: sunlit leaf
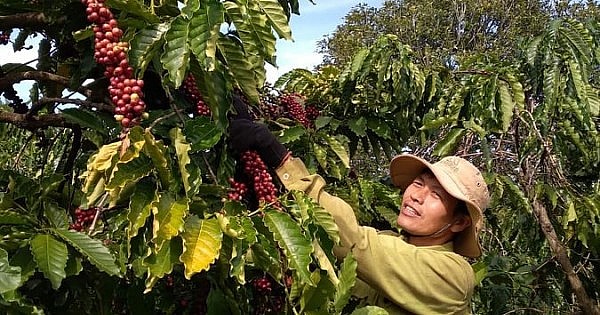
point(201, 243)
point(169, 214)
point(294, 243)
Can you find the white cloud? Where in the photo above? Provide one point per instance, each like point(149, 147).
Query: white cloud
point(288, 61)
point(29, 56)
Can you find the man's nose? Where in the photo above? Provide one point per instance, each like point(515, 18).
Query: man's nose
point(419, 194)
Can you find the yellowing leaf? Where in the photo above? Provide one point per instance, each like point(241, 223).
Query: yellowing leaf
point(168, 218)
point(202, 240)
point(182, 149)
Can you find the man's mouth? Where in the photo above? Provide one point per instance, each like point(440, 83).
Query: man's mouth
point(410, 211)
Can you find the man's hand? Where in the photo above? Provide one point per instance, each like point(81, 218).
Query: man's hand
point(244, 135)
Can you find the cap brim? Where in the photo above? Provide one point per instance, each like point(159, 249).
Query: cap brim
point(406, 167)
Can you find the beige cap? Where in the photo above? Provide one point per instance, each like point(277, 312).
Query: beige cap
point(462, 180)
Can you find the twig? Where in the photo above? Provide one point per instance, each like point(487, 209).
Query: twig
point(155, 122)
point(18, 158)
point(35, 122)
point(98, 212)
point(15, 77)
point(46, 100)
point(212, 174)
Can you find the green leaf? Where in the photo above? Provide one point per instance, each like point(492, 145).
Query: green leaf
point(12, 217)
point(448, 144)
point(92, 249)
point(367, 191)
point(202, 133)
point(291, 134)
point(315, 299)
point(182, 149)
point(177, 54)
point(242, 70)
point(22, 258)
point(380, 128)
point(277, 17)
point(322, 121)
point(358, 126)
point(204, 32)
point(129, 172)
point(507, 105)
point(347, 276)
point(168, 218)
point(145, 44)
point(51, 257)
point(56, 216)
point(158, 153)
point(10, 276)
point(320, 154)
point(162, 262)
point(201, 244)
point(189, 7)
point(338, 148)
point(295, 244)
point(85, 119)
point(324, 219)
point(134, 7)
point(480, 269)
point(143, 199)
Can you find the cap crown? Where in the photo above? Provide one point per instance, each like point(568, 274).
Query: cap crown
point(468, 179)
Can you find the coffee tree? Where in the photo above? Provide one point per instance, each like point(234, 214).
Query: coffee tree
point(122, 195)
point(141, 207)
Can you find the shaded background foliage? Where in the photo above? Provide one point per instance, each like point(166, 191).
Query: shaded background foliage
point(510, 85)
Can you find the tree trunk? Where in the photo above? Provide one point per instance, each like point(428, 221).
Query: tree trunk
point(588, 305)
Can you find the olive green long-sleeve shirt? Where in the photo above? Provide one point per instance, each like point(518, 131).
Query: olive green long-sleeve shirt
point(395, 275)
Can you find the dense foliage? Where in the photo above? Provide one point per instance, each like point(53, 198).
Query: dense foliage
point(159, 216)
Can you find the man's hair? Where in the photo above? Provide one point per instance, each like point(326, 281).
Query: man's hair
point(461, 209)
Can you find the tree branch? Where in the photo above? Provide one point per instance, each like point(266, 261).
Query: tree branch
point(35, 122)
point(586, 303)
point(33, 20)
point(15, 77)
point(82, 103)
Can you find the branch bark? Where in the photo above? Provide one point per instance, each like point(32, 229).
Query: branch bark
point(35, 122)
point(33, 20)
point(15, 77)
point(588, 304)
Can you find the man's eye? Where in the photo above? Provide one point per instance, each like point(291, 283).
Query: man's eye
point(417, 183)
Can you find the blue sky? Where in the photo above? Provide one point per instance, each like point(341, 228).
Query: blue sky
point(314, 22)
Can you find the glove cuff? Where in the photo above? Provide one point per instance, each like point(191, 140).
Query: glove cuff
point(273, 154)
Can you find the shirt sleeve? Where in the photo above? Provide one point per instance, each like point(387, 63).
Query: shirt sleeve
point(418, 279)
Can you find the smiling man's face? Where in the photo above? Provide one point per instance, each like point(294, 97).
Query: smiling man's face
point(426, 206)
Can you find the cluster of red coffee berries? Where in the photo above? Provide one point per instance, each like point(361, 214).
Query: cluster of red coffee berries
point(238, 190)
point(259, 174)
point(262, 285)
point(190, 89)
point(269, 103)
point(268, 301)
point(312, 112)
point(83, 218)
point(4, 37)
point(125, 91)
point(293, 104)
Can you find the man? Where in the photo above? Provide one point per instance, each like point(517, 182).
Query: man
point(421, 272)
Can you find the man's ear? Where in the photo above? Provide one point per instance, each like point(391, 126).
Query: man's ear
point(461, 223)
